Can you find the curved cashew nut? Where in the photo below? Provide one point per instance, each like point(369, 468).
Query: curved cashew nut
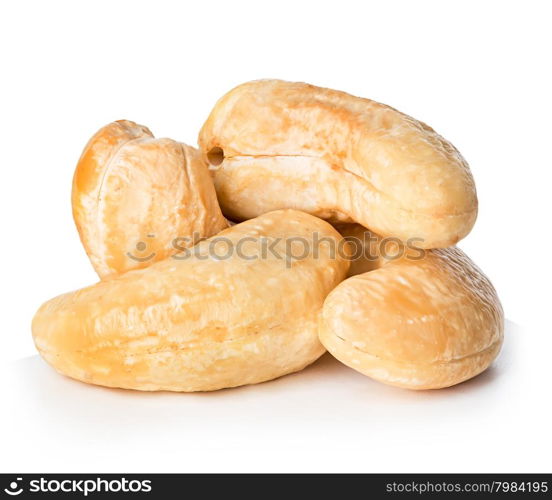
point(278, 144)
point(211, 320)
point(419, 322)
point(134, 196)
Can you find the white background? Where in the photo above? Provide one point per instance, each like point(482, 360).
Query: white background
point(478, 72)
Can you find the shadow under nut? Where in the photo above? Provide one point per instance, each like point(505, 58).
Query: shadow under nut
point(134, 194)
point(275, 144)
point(417, 324)
point(200, 323)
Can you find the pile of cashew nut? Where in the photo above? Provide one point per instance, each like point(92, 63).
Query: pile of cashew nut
point(308, 220)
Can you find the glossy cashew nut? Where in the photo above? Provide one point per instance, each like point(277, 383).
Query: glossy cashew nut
point(239, 308)
point(137, 199)
point(418, 322)
point(277, 144)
